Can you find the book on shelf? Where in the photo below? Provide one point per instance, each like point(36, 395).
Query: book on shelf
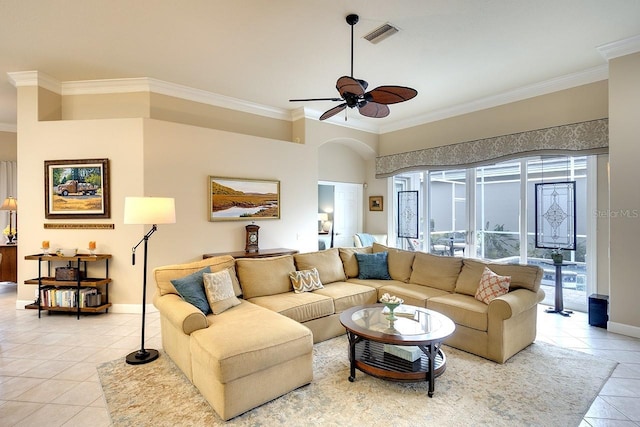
point(51, 296)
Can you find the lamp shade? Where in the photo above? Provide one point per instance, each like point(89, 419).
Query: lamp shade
point(9, 204)
point(149, 210)
point(323, 216)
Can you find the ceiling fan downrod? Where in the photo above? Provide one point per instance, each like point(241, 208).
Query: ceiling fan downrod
point(352, 20)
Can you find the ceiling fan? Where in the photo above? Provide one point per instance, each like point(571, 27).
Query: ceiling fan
point(352, 92)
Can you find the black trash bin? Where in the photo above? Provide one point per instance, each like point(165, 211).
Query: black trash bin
point(598, 310)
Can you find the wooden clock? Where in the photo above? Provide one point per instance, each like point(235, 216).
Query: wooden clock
point(251, 244)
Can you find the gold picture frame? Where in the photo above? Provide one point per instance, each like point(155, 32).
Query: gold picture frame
point(76, 189)
point(375, 203)
point(232, 199)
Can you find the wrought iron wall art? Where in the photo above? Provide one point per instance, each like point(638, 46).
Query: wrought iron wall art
point(408, 214)
point(556, 215)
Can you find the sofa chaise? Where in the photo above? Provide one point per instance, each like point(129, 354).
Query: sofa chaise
point(265, 342)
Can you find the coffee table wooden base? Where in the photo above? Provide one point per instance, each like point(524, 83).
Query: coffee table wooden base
point(369, 357)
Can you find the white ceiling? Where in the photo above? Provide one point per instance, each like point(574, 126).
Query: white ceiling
point(454, 52)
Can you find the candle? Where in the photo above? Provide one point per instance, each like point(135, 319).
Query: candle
point(92, 245)
point(45, 244)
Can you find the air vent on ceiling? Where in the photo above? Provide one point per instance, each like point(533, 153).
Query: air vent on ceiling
point(381, 33)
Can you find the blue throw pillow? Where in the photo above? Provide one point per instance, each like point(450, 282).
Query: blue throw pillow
point(373, 266)
point(191, 289)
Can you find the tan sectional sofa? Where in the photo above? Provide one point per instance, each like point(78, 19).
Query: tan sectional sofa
point(264, 344)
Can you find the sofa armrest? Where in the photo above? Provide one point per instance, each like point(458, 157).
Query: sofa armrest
point(513, 303)
point(184, 316)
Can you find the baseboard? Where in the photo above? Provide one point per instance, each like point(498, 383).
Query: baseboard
point(621, 328)
point(115, 308)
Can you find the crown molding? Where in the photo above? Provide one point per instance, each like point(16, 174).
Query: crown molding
point(34, 78)
point(568, 81)
point(620, 48)
point(147, 84)
point(8, 127)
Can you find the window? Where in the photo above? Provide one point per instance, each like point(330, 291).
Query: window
point(477, 212)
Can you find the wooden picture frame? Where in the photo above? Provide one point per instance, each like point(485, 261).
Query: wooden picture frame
point(76, 189)
point(375, 203)
point(243, 199)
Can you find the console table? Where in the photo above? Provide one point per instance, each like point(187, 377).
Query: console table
point(262, 253)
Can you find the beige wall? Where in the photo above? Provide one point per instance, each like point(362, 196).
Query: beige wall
point(8, 146)
point(624, 153)
point(181, 170)
point(582, 103)
point(155, 158)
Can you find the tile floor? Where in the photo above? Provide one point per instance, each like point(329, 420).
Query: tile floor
point(48, 376)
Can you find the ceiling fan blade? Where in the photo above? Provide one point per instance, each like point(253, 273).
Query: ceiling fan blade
point(347, 84)
point(332, 112)
point(375, 110)
point(316, 99)
point(392, 94)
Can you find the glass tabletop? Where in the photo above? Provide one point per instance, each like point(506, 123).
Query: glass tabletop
point(408, 321)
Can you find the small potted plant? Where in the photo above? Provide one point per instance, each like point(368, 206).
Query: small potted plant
point(556, 256)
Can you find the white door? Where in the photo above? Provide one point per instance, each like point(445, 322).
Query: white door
point(347, 212)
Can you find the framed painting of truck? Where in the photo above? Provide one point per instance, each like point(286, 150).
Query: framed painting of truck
point(76, 189)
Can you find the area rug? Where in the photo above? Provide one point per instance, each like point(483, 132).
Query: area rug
point(542, 385)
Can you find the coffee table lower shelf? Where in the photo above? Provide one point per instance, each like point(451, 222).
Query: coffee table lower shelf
point(371, 359)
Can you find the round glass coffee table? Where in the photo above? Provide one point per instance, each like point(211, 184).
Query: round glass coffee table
point(401, 347)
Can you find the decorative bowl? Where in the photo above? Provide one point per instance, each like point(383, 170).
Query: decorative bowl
point(68, 252)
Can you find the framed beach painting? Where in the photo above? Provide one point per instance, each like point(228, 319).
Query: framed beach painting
point(76, 189)
point(242, 199)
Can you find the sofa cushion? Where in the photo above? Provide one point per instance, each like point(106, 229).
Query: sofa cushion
point(163, 275)
point(469, 277)
point(265, 276)
point(305, 280)
point(372, 283)
point(373, 266)
point(346, 295)
point(522, 276)
point(219, 291)
point(440, 272)
point(412, 294)
point(299, 307)
point(191, 289)
point(492, 286)
point(398, 260)
point(463, 309)
point(349, 261)
point(232, 349)
point(327, 262)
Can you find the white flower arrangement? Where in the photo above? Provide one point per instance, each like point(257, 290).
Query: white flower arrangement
point(390, 299)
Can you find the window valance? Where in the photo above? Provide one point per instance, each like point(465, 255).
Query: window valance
point(591, 137)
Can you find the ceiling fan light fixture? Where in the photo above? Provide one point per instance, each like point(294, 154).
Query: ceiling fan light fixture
point(381, 33)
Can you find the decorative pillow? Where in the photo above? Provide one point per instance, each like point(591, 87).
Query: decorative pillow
point(219, 289)
point(305, 280)
point(373, 266)
point(191, 289)
point(492, 286)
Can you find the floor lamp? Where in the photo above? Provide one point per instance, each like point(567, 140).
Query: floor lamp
point(146, 210)
point(11, 204)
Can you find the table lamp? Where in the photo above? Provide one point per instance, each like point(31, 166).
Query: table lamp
point(146, 210)
point(11, 204)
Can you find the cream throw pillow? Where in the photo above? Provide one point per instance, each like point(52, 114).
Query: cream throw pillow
point(305, 280)
point(219, 290)
point(492, 286)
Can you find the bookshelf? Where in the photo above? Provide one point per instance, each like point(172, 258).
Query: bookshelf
point(70, 295)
